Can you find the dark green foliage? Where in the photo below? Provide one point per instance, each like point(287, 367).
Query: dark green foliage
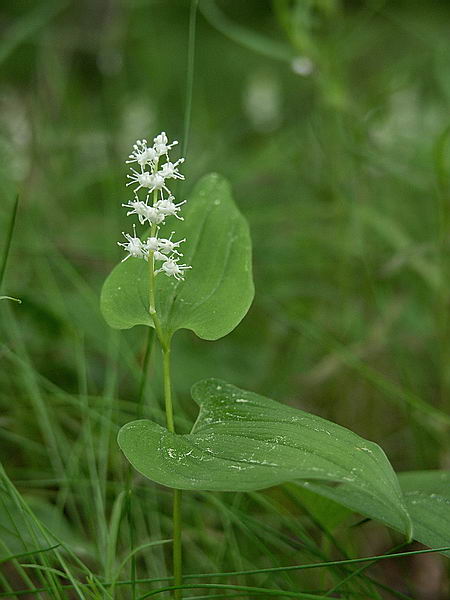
point(343, 177)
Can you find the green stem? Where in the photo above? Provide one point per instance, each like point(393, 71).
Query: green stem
point(145, 368)
point(165, 344)
point(177, 549)
point(151, 298)
point(151, 281)
point(9, 236)
point(190, 74)
point(168, 389)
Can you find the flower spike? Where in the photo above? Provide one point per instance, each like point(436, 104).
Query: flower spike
point(155, 171)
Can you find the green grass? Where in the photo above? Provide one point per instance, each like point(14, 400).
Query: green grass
point(343, 176)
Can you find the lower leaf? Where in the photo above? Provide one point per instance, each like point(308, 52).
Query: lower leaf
point(427, 499)
point(242, 441)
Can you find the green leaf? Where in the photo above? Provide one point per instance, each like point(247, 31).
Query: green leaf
point(20, 531)
point(217, 291)
point(427, 499)
point(427, 495)
point(242, 441)
point(327, 513)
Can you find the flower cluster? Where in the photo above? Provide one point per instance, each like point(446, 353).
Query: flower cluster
point(159, 203)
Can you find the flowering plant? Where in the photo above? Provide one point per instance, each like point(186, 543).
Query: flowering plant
point(240, 441)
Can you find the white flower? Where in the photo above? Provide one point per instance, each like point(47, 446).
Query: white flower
point(145, 212)
point(152, 181)
point(152, 244)
point(166, 245)
point(169, 170)
point(157, 181)
point(134, 245)
point(172, 269)
point(155, 216)
point(142, 154)
point(167, 207)
point(144, 179)
point(159, 255)
point(138, 208)
point(160, 144)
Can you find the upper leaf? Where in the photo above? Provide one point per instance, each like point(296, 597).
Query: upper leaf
point(217, 291)
point(242, 441)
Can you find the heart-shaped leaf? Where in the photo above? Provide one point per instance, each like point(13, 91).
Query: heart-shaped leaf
point(217, 291)
point(242, 441)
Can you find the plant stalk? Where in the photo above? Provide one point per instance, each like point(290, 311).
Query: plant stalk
point(176, 514)
point(168, 389)
point(177, 546)
point(165, 345)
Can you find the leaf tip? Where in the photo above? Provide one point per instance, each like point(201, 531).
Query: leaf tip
point(204, 388)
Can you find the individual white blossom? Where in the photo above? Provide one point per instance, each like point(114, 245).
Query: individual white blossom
point(143, 179)
point(138, 208)
point(145, 212)
point(152, 244)
point(167, 207)
point(169, 170)
point(155, 216)
point(173, 269)
point(161, 146)
point(157, 255)
point(142, 154)
point(159, 203)
point(152, 181)
point(133, 245)
point(166, 245)
point(157, 183)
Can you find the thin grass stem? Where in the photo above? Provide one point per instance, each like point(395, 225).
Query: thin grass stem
point(9, 236)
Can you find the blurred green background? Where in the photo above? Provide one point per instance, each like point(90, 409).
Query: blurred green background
point(331, 121)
